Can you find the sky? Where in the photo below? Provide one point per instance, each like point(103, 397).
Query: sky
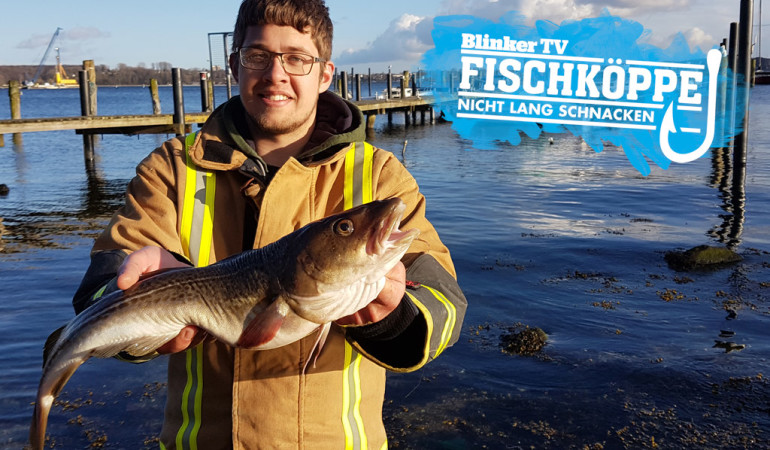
point(367, 35)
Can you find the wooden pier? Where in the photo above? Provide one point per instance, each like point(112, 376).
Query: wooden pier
point(181, 122)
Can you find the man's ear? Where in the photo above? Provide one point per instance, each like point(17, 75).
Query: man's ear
point(327, 75)
point(235, 65)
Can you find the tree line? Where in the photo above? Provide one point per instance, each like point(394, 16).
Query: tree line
point(121, 75)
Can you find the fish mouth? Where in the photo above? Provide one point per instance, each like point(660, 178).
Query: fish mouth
point(387, 235)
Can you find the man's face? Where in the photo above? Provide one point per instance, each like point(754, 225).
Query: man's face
point(280, 104)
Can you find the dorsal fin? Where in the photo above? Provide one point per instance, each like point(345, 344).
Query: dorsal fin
point(50, 343)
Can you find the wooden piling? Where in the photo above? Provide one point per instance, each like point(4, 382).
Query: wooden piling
point(358, 87)
point(205, 104)
point(14, 92)
point(211, 93)
point(390, 88)
point(370, 118)
point(176, 80)
point(85, 111)
point(154, 96)
point(88, 66)
point(344, 87)
point(14, 96)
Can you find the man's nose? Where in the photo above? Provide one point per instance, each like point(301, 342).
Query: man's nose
point(276, 71)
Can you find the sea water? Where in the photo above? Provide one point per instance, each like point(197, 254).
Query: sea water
point(549, 235)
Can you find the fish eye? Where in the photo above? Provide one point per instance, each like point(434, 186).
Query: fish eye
point(343, 227)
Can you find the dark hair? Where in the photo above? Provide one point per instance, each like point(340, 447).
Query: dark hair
point(299, 14)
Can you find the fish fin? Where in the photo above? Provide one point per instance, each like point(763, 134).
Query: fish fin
point(146, 344)
point(263, 325)
point(323, 333)
point(50, 344)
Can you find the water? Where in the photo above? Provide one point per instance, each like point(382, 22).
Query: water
point(551, 236)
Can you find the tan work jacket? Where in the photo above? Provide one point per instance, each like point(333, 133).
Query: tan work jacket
point(222, 397)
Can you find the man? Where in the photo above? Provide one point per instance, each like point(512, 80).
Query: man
point(284, 153)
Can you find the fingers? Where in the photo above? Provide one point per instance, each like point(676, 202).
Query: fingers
point(190, 336)
point(144, 260)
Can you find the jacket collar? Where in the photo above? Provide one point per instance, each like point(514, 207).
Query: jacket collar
point(223, 144)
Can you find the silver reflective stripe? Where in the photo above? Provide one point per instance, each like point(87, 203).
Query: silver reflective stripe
point(357, 191)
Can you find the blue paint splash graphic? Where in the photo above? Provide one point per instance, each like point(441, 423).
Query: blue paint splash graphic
point(595, 78)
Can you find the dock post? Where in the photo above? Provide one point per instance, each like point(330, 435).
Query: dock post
point(738, 197)
point(176, 80)
point(732, 62)
point(390, 84)
point(210, 83)
point(85, 111)
point(369, 80)
point(432, 115)
point(358, 87)
point(205, 104)
point(154, 96)
point(88, 66)
point(404, 83)
point(14, 95)
point(370, 121)
point(344, 87)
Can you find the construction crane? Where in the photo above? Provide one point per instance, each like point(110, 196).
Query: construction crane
point(33, 81)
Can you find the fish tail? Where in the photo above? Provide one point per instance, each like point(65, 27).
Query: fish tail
point(50, 386)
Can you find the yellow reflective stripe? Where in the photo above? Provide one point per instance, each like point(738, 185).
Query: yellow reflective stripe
point(198, 397)
point(357, 190)
point(196, 233)
point(100, 292)
point(350, 163)
point(185, 415)
point(384, 445)
point(449, 324)
point(162, 447)
point(366, 194)
point(355, 438)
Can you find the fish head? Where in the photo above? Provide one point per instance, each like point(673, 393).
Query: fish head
point(343, 260)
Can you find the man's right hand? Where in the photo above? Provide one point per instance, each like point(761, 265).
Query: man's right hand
point(150, 259)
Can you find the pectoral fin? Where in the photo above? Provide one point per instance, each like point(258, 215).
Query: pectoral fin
point(263, 325)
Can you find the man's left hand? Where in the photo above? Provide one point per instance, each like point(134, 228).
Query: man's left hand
point(388, 299)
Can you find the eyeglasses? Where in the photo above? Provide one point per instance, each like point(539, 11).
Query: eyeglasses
point(292, 63)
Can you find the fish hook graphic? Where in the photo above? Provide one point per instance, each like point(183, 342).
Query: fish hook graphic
point(713, 59)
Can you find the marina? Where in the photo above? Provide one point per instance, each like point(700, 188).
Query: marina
point(547, 235)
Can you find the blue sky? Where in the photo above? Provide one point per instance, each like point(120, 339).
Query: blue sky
point(367, 34)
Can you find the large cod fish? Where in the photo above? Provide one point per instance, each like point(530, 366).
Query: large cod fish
point(259, 299)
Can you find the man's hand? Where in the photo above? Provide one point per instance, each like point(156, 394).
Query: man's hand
point(150, 259)
point(388, 299)
point(145, 260)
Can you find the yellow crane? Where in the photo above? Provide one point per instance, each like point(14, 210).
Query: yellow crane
point(62, 79)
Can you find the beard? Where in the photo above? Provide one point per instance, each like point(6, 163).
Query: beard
point(268, 124)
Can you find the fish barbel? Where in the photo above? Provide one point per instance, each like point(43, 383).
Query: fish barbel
point(259, 299)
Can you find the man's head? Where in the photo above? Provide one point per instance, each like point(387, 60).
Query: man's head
point(304, 15)
point(280, 60)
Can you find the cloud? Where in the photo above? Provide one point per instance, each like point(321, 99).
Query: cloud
point(84, 34)
point(406, 38)
point(70, 35)
point(409, 36)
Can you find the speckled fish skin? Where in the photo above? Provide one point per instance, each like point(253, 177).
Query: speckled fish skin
point(259, 299)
